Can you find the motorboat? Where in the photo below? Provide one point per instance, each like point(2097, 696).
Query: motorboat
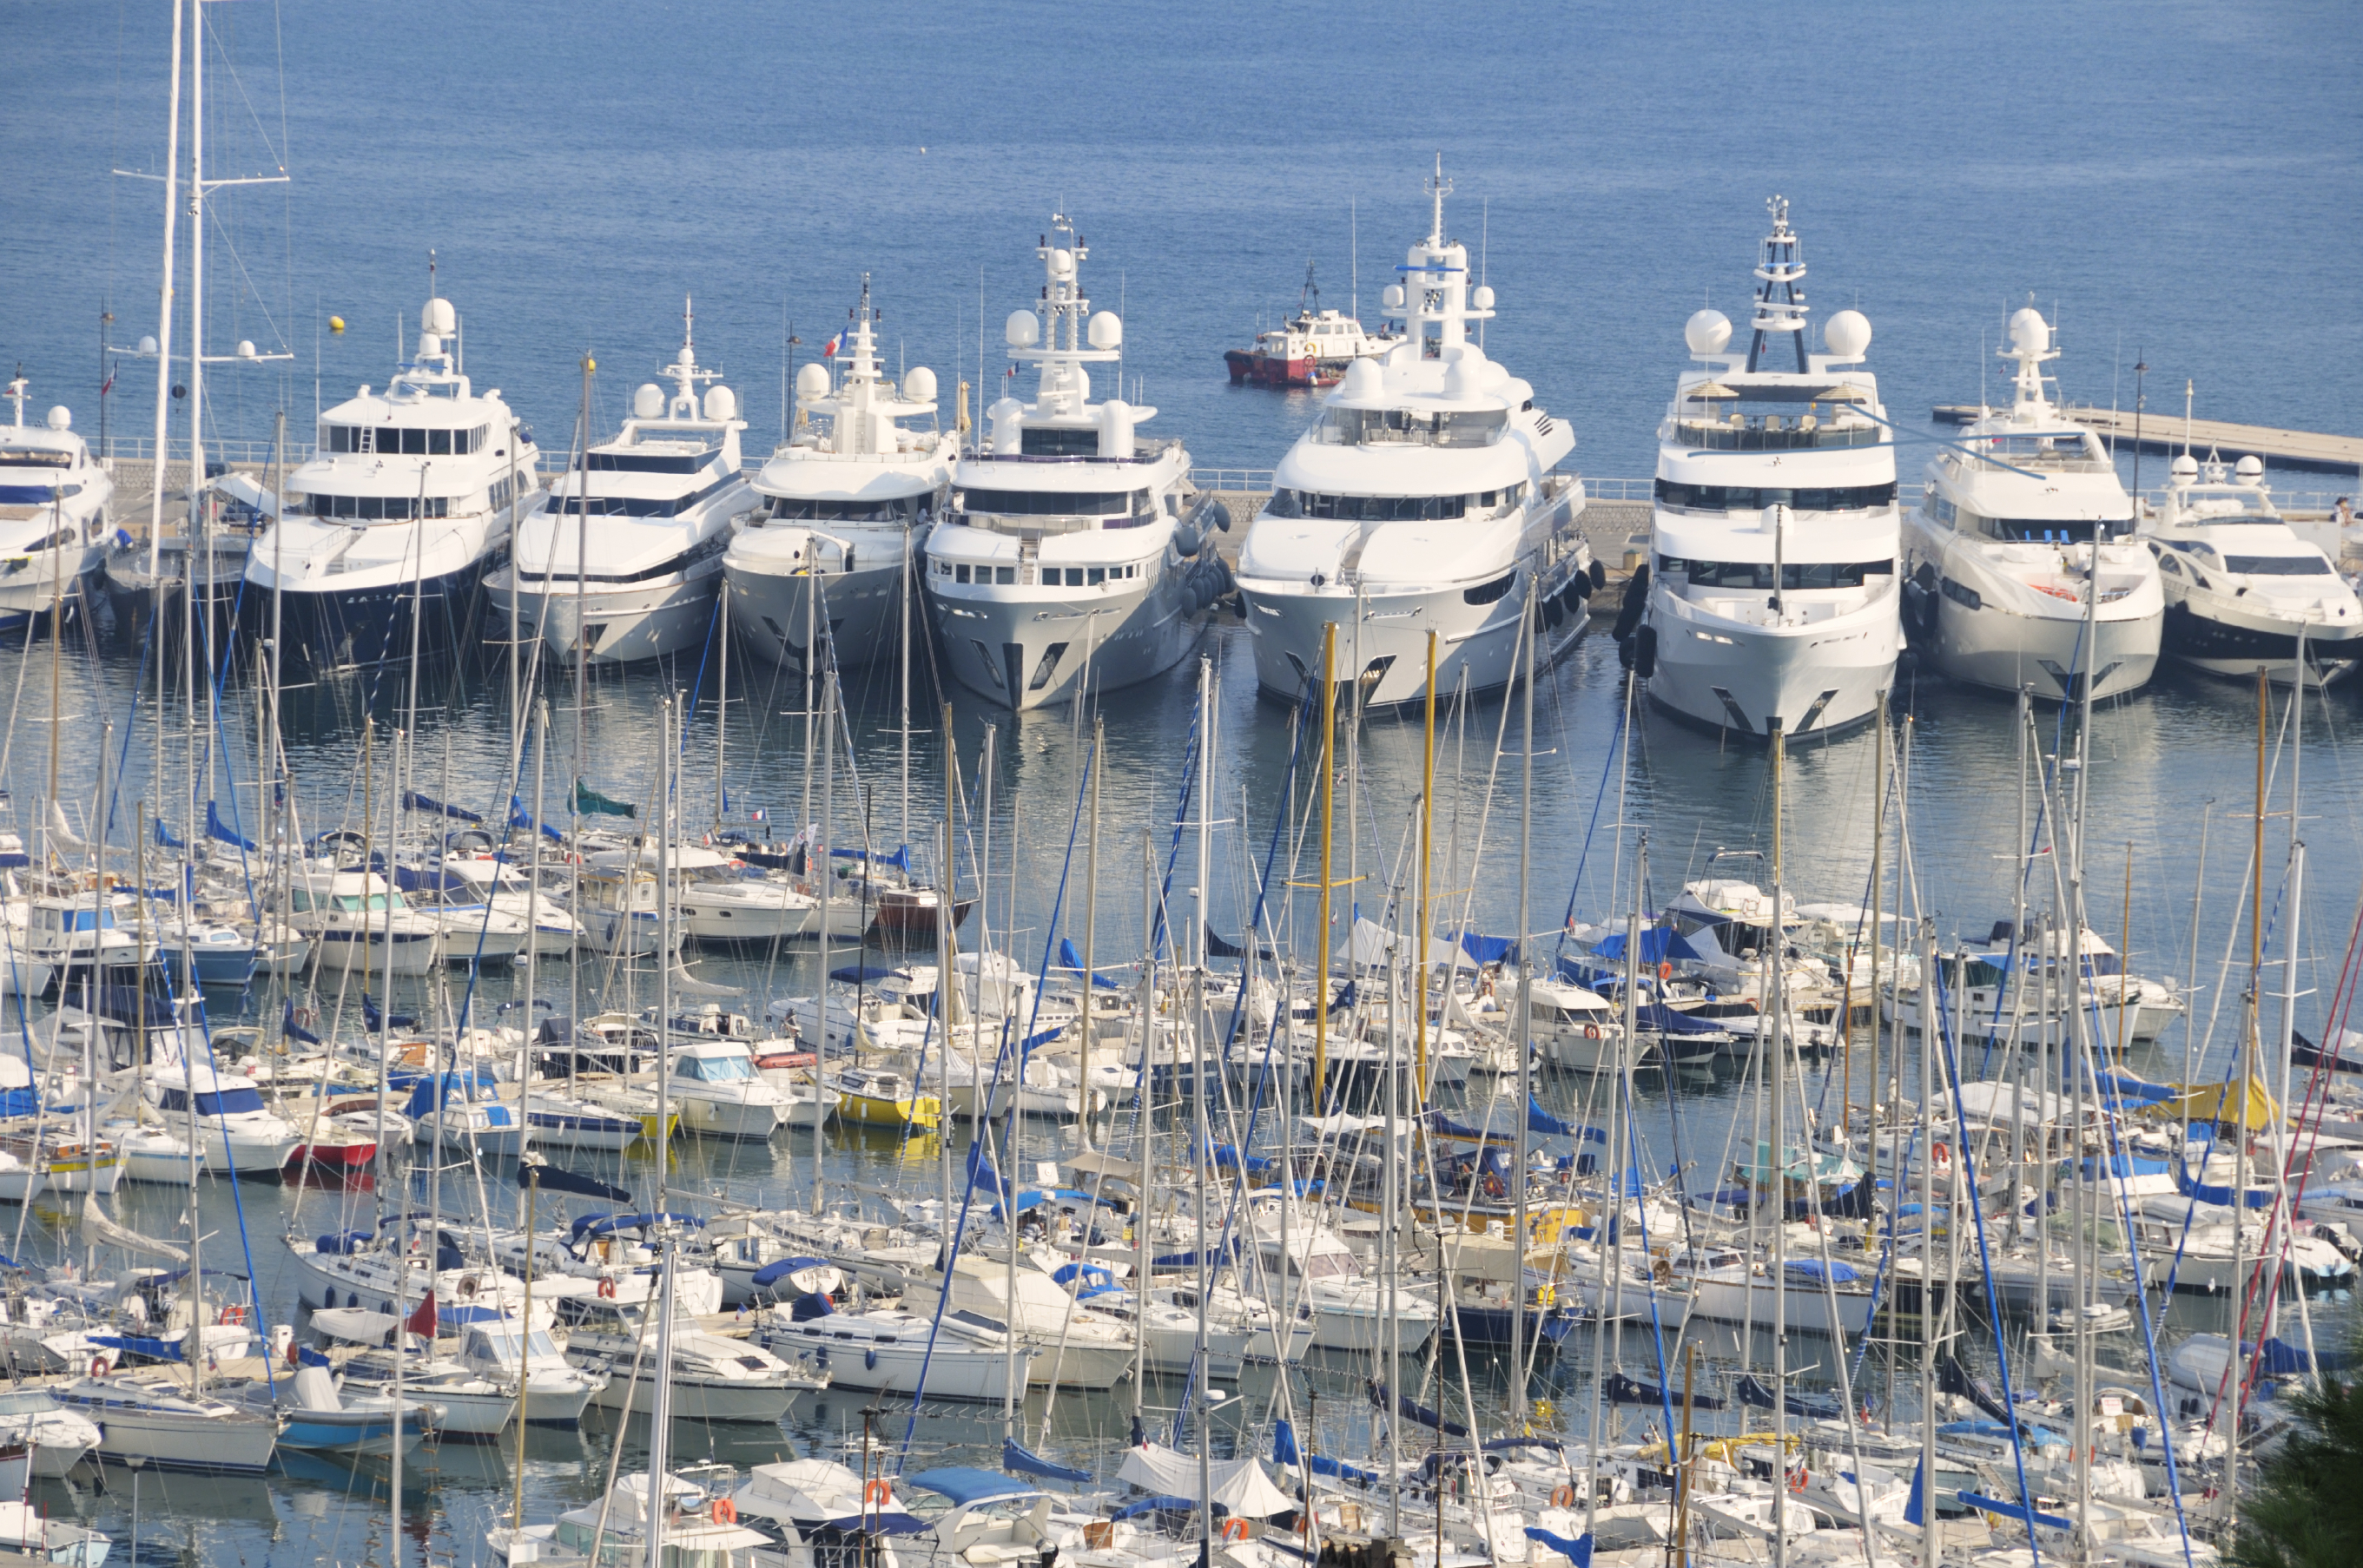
point(1773, 598)
point(472, 1112)
point(719, 1093)
point(713, 1377)
point(70, 938)
point(623, 560)
point(385, 533)
point(58, 1437)
point(2242, 589)
point(877, 1096)
point(1078, 1348)
point(53, 511)
point(228, 1116)
point(695, 1526)
point(321, 1416)
point(496, 881)
point(889, 1350)
point(717, 899)
point(1311, 349)
point(1065, 561)
point(1423, 501)
point(357, 922)
point(554, 1390)
point(1350, 1307)
point(845, 505)
point(2021, 568)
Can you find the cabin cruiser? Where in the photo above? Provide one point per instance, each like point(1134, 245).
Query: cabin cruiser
point(887, 1348)
point(2016, 983)
point(1065, 560)
point(238, 1130)
point(846, 504)
point(719, 1093)
point(623, 560)
point(1999, 557)
point(53, 510)
point(357, 921)
point(408, 494)
point(713, 1378)
point(1773, 597)
point(1422, 500)
point(717, 899)
point(2241, 586)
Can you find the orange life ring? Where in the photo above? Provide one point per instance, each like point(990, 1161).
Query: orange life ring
point(1562, 1496)
point(1234, 1529)
point(1798, 1478)
point(606, 1289)
point(98, 1366)
point(1942, 1153)
point(1665, 970)
point(877, 1494)
point(1591, 1031)
point(232, 1314)
point(725, 1511)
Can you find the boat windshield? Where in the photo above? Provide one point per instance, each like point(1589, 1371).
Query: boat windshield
point(1795, 576)
point(378, 903)
point(891, 509)
point(33, 457)
point(717, 1069)
point(241, 1101)
point(1409, 426)
point(2278, 565)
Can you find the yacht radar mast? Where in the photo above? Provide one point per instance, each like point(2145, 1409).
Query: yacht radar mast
point(1435, 287)
point(1781, 271)
point(1069, 341)
point(685, 372)
point(2031, 346)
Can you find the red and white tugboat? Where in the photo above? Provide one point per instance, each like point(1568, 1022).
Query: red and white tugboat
point(1311, 351)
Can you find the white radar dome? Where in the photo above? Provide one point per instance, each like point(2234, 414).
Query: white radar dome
point(147, 346)
point(1363, 380)
point(1847, 334)
point(1707, 332)
point(1481, 297)
point(647, 401)
point(1116, 428)
point(1023, 331)
point(2185, 467)
point(721, 403)
point(1463, 380)
point(61, 418)
point(2029, 333)
point(246, 348)
point(2249, 468)
point(1391, 297)
point(1062, 263)
point(1106, 330)
point(812, 381)
point(919, 386)
point(440, 318)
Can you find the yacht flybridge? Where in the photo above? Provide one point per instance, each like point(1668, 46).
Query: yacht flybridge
point(2001, 556)
point(1422, 500)
point(408, 494)
point(623, 560)
point(54, 499)
point(1065, 557)
point(1772, 594)
point(2241, 586)
point(845, 508)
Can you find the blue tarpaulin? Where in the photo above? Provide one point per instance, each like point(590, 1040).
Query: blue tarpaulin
point(964, 1485)
point(900, 859)
point(1488, 949)
point(1578, 1551)
point(1659, 945)
point(2204, 1192)
point(1015, 1457)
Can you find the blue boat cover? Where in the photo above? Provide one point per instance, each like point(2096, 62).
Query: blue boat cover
point(218, 829)
point(1015, 1456)
point(964, 1485)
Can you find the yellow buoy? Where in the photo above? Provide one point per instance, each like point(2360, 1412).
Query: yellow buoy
point(337, 324)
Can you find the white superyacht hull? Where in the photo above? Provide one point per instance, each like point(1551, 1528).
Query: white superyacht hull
point(1994, 648)
point(628, 623)
point(998, 648)
point(770, 609)
point(1733, 674)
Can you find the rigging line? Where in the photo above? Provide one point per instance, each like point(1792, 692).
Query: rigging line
point(1616, 742)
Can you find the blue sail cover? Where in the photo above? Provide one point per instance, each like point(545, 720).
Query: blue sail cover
point(1488, 949)
point(1017, 1458)
point(1070, 959)
point(1285, 1454)
point(412, 800)
point(900, 859)
point(2201, 1192)
point(218, 829)
point(164, 839)
point(1414, 1411)
point(521, 817)
point(1659, 945)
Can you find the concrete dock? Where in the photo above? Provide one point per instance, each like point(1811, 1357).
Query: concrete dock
point(2163, 431)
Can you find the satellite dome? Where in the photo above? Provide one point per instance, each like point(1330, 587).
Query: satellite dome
point(1106, 330)
point(246, 348)
point(1062, 263)
point(147, 346)
point(1847, 334)
point(61, 418)
point(1706, 332)
point(1023, 331)
point(440, 318)
point(919, 386)
point(647, 401)
point(1463, 379)
point(2029, 333)
point(721, 403)
point(1391, 297)
point(2249, 468)
point(1363, 380)
point(812, 381)
point(1481, 297)
point(2184, 465)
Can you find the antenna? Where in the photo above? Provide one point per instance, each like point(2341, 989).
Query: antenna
point(1439, 187)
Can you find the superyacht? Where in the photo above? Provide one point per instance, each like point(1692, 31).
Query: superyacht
point(625, 553)
point(1422, 500)
point(2000, 553)
point(846, 506)
point(53, 497)
point(1772, 595)
point(1065, 560)
point(409, 493)
point(2242, 590)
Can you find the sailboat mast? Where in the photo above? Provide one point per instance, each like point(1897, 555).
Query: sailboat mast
point(1775, 1075)
point(826, 877)
point(1321, 932)
point(1524, 1039)
point(1091, 927)
point(665, 759)
point(164, 320)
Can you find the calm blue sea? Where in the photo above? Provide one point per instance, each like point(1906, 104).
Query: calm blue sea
point(2180, 183)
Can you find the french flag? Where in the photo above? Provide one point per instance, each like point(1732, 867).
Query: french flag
point(828, 349)
point(759, 814)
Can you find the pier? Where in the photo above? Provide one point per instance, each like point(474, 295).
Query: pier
point(2163, 431)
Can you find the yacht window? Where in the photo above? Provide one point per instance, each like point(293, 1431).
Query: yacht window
point(1745, 498)
point(373, 508)
point(2039, 530)
point(1094, 576)
point(1321, 1265)
point(2166, 564)
point(1005, 574)
point(1794, 575)
point(300, 900)
point(1939, 508)
point(1368, 508)
point(1055, 503)
point(959, 572)
point(2278, 565)
point(351, 902)
point(633, 505)
point(717, 1069)
point(1488, 593)
point(33, 457)
point(650, 462)
point(1036, 442)
point(1967, 598)
point(893, 508)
